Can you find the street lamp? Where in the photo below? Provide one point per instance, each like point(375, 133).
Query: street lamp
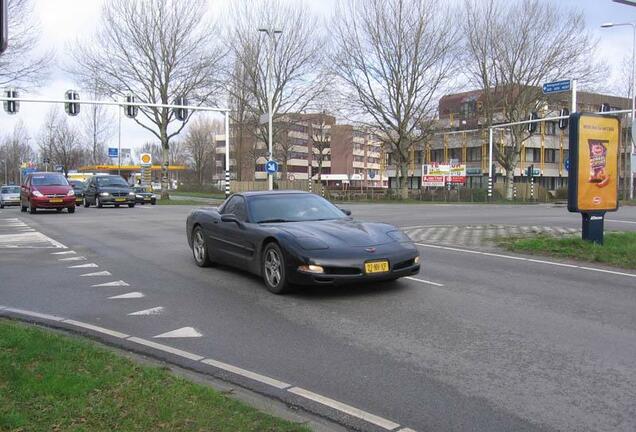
point(633, 96)
point(271, 34)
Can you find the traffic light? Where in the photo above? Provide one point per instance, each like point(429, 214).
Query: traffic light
point(563, 123)
point(72, 108)
point(131, 110)
point(532, 127)
point(180, 113)
point(605, 107)
point(530, 171)
point(11, 107)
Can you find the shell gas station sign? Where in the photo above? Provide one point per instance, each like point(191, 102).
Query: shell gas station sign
point(145, 160)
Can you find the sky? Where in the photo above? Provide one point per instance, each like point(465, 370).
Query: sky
point(65, 21)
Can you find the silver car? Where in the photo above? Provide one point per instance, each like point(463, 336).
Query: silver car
point(9, 195)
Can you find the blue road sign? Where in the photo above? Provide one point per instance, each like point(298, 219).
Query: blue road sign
point(27, 171)
point(271, 167)
point(567, 164)
point(372, 175)
point(113, 152)
point(557, 86)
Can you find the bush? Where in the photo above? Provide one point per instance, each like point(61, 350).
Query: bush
point(205, 188)
point(561, 193)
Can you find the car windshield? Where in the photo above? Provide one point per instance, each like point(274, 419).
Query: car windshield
point(111, 182)
point(10, 190)
point(292, 208)
point(77, 184)
point(49, 180)
point(140, 189)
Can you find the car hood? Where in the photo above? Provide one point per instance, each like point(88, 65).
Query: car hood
point(114, 189)
point(50, 190)
point(144, 193)
point(10, 195)
point(341, 232)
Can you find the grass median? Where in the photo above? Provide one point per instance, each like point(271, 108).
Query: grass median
point(184, 202)
point(618, 249)
point(52, 382)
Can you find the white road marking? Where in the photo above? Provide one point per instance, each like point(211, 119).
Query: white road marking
point(183, 332)
point(34, 314)
point(348, 409)
point(70, 252)
point(152, 311)
point(406, 430)
point(552, 263)
point(96, 328)
point(424, 281)
point(620, 221)
point(77, 258)
point(248, 374)
point(99, 273)
point(111, 284)
point(28, 240)
point(166, 348)
point(130, 295)
point(89, 265)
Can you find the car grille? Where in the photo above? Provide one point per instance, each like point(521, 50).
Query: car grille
point(119, 194)
point(55, 195)
point(403, 264)
point(342, 270)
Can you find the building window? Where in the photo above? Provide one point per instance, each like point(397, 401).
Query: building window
point(550, 155)
point(550, 128)
point(474, 154)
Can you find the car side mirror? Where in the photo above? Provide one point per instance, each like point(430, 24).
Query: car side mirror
point(230, 218)
point(345, 211)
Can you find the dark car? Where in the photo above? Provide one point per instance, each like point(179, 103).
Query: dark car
point(297, 238)
point(46, 190)
point(79, 187)
point(143, 195)
point(104, 190)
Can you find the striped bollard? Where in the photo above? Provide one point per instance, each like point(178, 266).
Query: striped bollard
point(531, 188)
point(489, 187)
point(323, 191)
point(514, 192)
point(227, 183)
point(310, 185)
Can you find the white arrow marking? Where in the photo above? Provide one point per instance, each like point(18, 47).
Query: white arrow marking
point(77, 258)
point(112, 284)
point(90, 265)
point(184, 332)
point(129, 295)
point(64, 253)
point(100, 273)
point(152, 311)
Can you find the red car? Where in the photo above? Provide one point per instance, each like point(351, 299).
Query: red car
point(46, 190)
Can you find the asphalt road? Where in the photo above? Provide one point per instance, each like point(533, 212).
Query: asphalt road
point(480, 341)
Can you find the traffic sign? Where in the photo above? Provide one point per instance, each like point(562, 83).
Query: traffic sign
point(113, 152)
point(59, 168)
point(371, 175)
point(557, 86)
point(145, 160)
point(271, 167)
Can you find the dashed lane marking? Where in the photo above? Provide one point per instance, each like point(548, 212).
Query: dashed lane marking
point(620, 221)
point(352, 411)
point(28, 240)
point(130, 295)
point(248, 374)
point(424, 281)
point(152, 311)
point(111, 284)
point(99, 273)
point(89, 265)
point(70, 252)
point(510, 257)
point(76, 258)
point(183, 332)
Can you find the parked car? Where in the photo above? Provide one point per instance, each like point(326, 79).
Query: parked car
point(46, 190)
point(79, 187)
point(298, 238)
point(144, 196)
point(108, 190)
point(9, 196)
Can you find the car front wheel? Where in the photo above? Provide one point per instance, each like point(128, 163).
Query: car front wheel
point(86, 203)
point(274, 271)
point(200, 248)
point(98, 202)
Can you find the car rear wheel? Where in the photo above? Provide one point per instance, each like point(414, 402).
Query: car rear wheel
point(98, 202)
point(274, 272)
point(200, 248)
point(131, 205)
point(71, 209)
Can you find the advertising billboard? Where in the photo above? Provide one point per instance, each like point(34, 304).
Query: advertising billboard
point(593, 177)
point(433, 181)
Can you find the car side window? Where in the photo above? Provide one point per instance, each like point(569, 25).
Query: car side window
point(228, 208)
point(239, 209)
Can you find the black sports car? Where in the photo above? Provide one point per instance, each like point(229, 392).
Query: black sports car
point(297, 238)
point(143, 195)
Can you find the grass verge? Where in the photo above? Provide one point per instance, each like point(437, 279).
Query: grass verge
point(199, 194)
point(51, 382)
point(618, 249)
point(184, 202)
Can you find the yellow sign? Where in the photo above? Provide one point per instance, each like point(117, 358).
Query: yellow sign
point(146, 159)
point(597, 163)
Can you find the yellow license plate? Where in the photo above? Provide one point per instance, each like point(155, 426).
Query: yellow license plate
point(376, 267)
point(120, 199)
point(56, 200)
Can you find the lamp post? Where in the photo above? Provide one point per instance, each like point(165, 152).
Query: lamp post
point(632, 157)
point(271, 33)
point(6, 177)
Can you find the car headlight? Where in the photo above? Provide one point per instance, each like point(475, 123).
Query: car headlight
point(131, 193)
point(37, 194)
point(416, 260)
point(310, 268)
point(70, 193)
point(104, 194)
point(399, 236)
point(138, 196)
point(154, 196)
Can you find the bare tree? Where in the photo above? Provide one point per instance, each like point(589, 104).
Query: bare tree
point(297, 73)
point(19, 65)
point(393, 57)
point(14, 150)
point(157, 50)
point(320, 137)
point(60, 142)
point(511, 49)
point(98, 126)
point(199, 145)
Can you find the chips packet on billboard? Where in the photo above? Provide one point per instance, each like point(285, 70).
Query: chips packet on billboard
point(598, 162)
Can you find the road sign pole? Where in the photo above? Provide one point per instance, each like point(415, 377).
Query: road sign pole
point(119, 145)
point(227, 153)
point(490, 163)
point(573, 110)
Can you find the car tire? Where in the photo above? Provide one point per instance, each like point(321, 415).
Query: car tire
point(59, 210)
point(32, 209)
point(98, 202)
point(131, 205)
point(116, 205)
point(23, 208)
point(1, 206)
point(153, 202)
point(71, 209)
point(200, 248)
point(273, 269)
point(86, 203)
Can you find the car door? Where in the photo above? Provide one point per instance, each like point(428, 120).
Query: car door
point(232, 238)
point(24, 191)
point(89, 194)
